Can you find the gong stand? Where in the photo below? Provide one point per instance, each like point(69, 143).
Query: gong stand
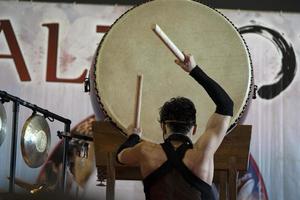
point(230, 159)
point(17, 102)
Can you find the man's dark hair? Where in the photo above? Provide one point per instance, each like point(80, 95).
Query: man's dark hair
point(179, 113)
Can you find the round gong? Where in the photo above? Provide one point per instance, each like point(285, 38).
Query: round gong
point(35, 141)
point(130, 47)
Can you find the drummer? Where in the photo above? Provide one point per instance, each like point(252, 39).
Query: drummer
point(177, 168)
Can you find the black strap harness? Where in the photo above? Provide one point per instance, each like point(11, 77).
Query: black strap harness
point(175, 161)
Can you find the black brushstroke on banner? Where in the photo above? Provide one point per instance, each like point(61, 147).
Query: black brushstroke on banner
point(288, 61)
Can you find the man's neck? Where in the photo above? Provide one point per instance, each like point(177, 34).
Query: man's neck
point(167, 135)
point(175, 143)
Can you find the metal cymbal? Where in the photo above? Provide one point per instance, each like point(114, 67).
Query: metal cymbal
point(83, 167)
point(35, 141)
point(3, 123)
point(83, 159)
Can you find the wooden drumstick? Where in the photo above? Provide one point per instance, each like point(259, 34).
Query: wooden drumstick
point(138, 103)
point(168, 42)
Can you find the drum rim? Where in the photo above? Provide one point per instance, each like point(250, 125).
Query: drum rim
point(250, 70)
point(251, 74)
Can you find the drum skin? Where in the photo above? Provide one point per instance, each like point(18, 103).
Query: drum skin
point(130, 48)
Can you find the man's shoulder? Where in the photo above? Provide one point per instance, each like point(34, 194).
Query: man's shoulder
point(148, 147)
point(148, 144)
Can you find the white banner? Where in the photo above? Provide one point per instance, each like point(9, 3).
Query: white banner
point(273, 40)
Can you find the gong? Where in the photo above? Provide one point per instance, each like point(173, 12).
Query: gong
point(35, 141)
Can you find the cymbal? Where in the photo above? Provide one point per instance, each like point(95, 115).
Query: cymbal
point(3, 121)
point(35, 141)
point(85, 127)
point(83, 167)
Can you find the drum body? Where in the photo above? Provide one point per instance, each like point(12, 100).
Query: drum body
point(130, 47)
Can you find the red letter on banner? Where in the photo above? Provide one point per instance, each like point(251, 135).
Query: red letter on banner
point(102, 28)
point(52, 57)
point(15, 50)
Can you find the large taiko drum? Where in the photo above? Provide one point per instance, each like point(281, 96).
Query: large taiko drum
point(130, 47)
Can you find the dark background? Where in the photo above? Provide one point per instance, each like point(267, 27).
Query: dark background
point(266, 5)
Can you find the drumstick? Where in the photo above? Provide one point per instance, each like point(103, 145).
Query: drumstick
point(168, 42)
point(138, 102)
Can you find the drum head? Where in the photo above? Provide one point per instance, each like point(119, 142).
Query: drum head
point(131, 47)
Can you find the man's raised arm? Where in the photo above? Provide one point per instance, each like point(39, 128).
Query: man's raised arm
point(218, 123)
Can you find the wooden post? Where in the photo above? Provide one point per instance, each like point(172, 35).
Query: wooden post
point(232, 178)
point(223, 185)
point(111, 176)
